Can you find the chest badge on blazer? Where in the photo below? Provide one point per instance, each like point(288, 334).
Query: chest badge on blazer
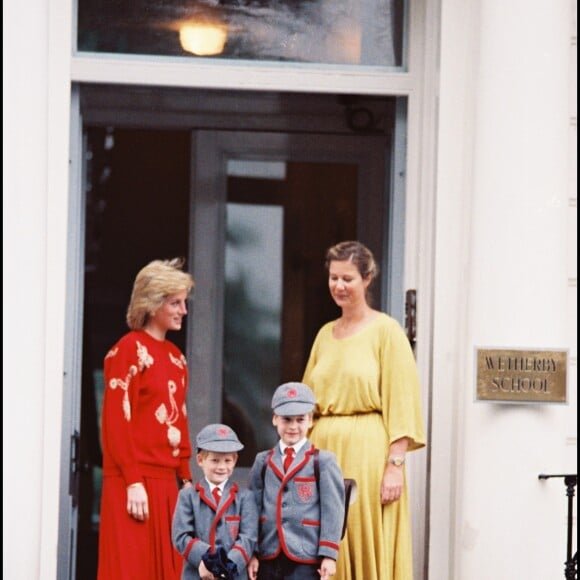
point(305, 491)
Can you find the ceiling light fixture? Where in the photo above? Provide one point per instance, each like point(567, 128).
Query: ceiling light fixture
point(203, 38)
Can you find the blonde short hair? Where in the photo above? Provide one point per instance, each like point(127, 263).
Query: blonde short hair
point(203, 453)
point(153, 284)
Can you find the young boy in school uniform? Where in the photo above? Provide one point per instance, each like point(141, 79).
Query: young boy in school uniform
point(215, 522)
point(301, 505)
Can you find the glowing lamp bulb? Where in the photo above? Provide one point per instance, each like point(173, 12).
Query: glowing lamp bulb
point(202, 39)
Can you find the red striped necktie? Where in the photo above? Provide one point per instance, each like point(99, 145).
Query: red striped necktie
point(217, 494)
point(289, 458)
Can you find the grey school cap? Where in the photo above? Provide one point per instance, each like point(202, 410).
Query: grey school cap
point(293, 399)
point(219, 438)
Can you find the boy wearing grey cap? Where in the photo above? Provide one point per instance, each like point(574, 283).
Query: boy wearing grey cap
point(299, 491)
point(215, 523)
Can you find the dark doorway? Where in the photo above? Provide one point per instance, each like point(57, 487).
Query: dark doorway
point(136, 211)
point(140, 205)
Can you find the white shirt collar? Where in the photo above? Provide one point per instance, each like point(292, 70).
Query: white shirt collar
point(296, 446)
point(213, 485)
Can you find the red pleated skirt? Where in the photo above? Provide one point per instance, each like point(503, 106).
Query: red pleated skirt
point(134, 550)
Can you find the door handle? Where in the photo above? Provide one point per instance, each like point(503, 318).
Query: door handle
point(74, 469)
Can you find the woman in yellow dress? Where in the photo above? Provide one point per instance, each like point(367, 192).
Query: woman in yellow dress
point(363, 373)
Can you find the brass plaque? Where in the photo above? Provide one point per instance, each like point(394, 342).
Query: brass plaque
point(522, 376)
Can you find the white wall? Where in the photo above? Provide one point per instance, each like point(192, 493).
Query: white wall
point(35, 164)
point(504, 276)
point(24, 270)
point(501, 281)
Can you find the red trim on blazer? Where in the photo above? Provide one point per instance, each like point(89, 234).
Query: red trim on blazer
point(272, 557)
point(242, 552)
point(328, 544)
point(204, 498)
point(219, 512)
point(299, 561)
point(189, 547)
point(273, 466)
point(285, 478)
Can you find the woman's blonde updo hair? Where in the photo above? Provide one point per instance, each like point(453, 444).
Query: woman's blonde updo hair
point(356, 253)
point(153, 284)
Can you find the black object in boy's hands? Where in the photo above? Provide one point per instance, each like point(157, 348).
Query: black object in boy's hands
point(220, 565)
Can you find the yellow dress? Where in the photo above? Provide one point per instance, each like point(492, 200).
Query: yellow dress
point(367, 392)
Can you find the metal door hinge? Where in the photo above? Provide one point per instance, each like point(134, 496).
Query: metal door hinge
point(411, 316)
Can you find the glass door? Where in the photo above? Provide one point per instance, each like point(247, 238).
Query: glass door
point(273, 303)
point(266, 208)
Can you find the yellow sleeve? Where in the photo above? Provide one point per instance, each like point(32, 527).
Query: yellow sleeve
point(400, 389)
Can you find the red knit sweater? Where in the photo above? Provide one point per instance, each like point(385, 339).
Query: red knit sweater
point(144, 420)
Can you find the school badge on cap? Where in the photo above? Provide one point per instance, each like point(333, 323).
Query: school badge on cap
point(293, 399)
point(219, 438)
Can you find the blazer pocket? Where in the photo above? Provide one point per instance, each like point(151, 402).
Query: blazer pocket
point(233, 523)
point(304, 489)
point(309, 537)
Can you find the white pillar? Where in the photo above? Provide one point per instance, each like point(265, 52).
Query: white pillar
point(500, 281)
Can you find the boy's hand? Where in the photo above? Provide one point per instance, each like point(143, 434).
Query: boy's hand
point(204, 573)
point(327, 568)
point(253, 568)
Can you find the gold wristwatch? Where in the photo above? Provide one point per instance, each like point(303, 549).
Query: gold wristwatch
point(397, 461)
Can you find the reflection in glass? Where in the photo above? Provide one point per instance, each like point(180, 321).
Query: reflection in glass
point(252, 322)
point(97, 470)
point(357, 32)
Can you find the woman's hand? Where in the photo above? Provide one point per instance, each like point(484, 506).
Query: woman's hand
point(137, 502)
point(392, 484)
point(394, 475)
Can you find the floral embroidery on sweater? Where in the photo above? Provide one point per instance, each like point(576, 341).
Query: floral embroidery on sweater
point(173, 433)
point(145, 359)
point(165, 417)
point(113, 352)
point(178, 361)
point(124, 385)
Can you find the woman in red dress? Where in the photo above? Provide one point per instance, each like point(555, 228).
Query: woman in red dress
point(145, 436)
